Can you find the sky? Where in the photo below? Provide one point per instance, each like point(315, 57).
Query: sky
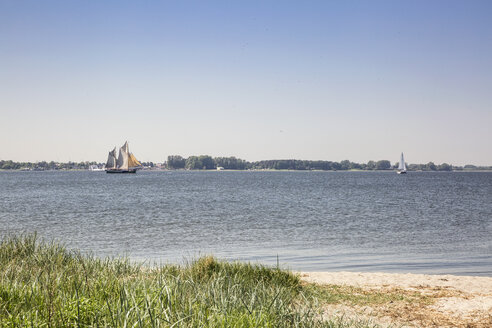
point(314, 80)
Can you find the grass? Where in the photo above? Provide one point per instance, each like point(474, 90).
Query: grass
point(355, 296)
point(43, 284)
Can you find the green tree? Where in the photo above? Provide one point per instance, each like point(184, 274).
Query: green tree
point(230, 163)
point(176, 162)
point(207, 162)
point(193, 163)
point(371, 165)
point(355, 166)
point(383, 165)
point(431, 166)
point(345, 165)
point(444, 167)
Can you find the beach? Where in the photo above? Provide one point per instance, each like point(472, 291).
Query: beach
point(414, 300)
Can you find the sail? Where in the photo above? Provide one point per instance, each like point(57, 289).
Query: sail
point(402, 166)
point(111, 163)
point(125, 147)
point(122, 162)
point(133, 162)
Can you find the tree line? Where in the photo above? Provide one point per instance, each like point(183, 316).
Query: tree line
point(206, 162)
point(42, 166)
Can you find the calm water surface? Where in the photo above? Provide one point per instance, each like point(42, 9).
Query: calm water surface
point(424, 222)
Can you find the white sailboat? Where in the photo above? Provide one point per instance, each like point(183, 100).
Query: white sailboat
point(124, 163)
point(402, 168)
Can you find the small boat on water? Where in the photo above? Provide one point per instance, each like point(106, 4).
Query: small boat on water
point(402, 168)
point(124, 163)
point(95, 168)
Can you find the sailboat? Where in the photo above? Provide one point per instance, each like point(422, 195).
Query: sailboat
point(402, 168)
point(124, 163)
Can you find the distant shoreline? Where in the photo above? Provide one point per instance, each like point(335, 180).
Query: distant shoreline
point(247, 170)
point(206, 162)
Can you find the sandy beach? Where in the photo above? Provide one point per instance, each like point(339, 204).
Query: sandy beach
point(413, 300)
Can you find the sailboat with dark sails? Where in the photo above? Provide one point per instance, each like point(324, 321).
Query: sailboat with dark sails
point(124, 163)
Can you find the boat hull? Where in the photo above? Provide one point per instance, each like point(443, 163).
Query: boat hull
point(121, 171)
point(401, 172)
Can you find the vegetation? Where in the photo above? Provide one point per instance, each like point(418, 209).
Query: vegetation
point(176, 162)
point(41, 166)
point(441, 167)
point(45, 285)
point(233, 163)
point(355, 296)
point(206, 162)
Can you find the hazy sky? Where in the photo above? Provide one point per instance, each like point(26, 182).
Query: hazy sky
point(330, 80)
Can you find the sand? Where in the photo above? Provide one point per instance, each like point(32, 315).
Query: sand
point(444, 300)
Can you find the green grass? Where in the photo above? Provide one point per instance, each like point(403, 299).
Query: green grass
point(43, 284)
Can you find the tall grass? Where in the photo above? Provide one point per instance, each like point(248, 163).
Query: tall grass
point(42, 284)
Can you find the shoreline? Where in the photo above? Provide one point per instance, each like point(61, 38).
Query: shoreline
point(251, 170)
point(431, 300)
point(55, 285)
point(467, 284)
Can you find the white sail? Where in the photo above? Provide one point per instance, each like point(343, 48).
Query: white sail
point(402, 166)
point(122, 162)
point(111, 163)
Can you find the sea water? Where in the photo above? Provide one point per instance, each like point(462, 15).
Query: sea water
point(421, 222)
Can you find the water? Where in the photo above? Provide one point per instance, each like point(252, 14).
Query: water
point(423, 222)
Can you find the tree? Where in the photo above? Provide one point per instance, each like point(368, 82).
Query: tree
point(431, 166)
point(207, 162)
point(355, 166)
point(345, 165)
point(282, 164)
point(193, 163)
point(444, 167)
point(230, 163)
point(175, 162)
point(383, 165)
point(371, 165)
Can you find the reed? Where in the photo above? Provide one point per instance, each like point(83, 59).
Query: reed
point(43, 284)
